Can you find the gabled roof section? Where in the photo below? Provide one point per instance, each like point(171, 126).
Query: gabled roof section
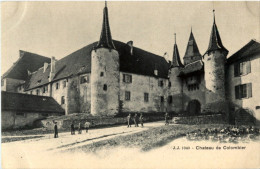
point(105, 37)
point(26, 62)
point(215, 42)
point(192, 48)
point(29, 103)
point(247, 51)
point(176, 61)
point(79, 62)
point(192, 68)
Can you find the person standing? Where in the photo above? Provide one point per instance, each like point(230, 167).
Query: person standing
point(72, 128)
point(55, 130)
point(79, 129)
point(141, 118)
point(136, 120)
point(129, 120)
point(87, 124)
point(166, 119)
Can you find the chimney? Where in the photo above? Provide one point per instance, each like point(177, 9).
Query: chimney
point(45, 66)
point(52, 72)
point(130, 44)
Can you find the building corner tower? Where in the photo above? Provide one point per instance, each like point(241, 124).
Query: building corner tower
point(105, 73)
point(214, 66)
point(175, 87)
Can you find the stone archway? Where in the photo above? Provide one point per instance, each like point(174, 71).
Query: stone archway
point(244, 117)
point(194, 107)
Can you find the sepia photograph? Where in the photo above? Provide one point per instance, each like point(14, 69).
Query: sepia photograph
point(130, 84)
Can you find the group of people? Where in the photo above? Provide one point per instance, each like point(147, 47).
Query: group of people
point(136, 120)
point(72, 128)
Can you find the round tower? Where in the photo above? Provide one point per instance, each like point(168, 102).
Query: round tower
point(105, 73)
point(175, 87)
point(214, 66)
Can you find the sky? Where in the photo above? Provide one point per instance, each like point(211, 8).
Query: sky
point(60, 28)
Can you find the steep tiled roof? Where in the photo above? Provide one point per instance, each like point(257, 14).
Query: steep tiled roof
point(215, 42)
point(176, 61)
point(29, 103)
point(250, 49)
point(27, 61)
point(79, 62)
point(105, 37)
point(192, 67)
point(192, 48)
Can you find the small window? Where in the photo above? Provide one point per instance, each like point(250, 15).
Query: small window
point(101, 74)
point(31, 92)
point(62, 100)
point(37, 92)
point(243, 91)
point(2, 82)
point(160, 83)
point(105, 87)
point(170, 99)
point(64, 84)
point(84, 79)
point(169, 84)
point(146, 97)
point(21, 114)
point(127, 95)
point(162, 99)
point(242, 68)
point(45, 89)
point(127, 78)
point(57, 85)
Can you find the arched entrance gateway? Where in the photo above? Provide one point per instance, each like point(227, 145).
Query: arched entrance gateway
point(244, 116)
point(193, 107)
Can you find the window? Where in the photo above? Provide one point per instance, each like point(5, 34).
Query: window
point(84, 79)
point(64, 84)
point(62, 100)
point(243, 91)
point(146, 97)
point(169, 99)
point(162, 99)
point(31, 92)
point(101, 74)
point(2, 82)
point(160, 83)
point(169, 84)
point(105, 87)
point(37, 92)
point(45, 89)
point(127, 95)
point(127, 78)
point(21, 114)
point(193, 87)
point(57, 85)
point(242, 68)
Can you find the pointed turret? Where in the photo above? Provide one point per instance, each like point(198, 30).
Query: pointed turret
point(176, 61)
point(215, 42)
point(192, 53)
point(105, 37)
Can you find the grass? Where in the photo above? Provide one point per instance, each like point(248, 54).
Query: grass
point(145, 140)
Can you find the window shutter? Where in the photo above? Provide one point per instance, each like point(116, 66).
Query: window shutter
point(249, 90)
point(237, 92)
point(248, 67)
point(123, 77)
point(236, 70)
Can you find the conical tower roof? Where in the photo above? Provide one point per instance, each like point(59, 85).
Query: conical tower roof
point(176, 61)
point(215, 42)
point(105, 37)
point(192, 48)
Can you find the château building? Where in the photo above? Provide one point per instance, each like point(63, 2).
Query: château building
point(109, 77)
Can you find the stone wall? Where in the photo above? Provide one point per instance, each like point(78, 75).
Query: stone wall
point(11, 120)
point(202, 119)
